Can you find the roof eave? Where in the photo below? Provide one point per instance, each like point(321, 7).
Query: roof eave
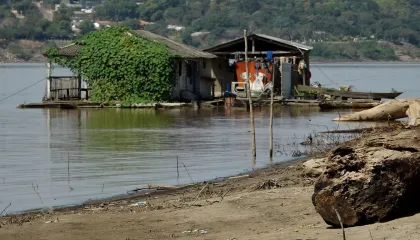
point(262, 37)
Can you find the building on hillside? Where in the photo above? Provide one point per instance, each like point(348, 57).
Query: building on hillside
point(227, 70)
point(82, 16)
point(145, 23)
point(102, 24)
point(175, 27)
point(188, 85)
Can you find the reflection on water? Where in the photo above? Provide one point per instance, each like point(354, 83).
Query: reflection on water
point(75, 155)
point(72, 154)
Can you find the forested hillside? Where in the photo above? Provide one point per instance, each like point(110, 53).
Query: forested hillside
point(329, 20)
point(203, 23)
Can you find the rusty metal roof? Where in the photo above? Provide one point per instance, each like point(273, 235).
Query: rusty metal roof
point(179, 49)
point(69, 50)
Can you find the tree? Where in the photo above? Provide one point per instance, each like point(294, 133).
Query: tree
point(173, 14)
point(86, 27)
point(118, 10)
point(51, 3)
point(248, 6)
point(23, 7)
point(131, 24)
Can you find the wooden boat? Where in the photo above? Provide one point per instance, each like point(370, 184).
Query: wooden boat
point(345, 94)
point(344, 104)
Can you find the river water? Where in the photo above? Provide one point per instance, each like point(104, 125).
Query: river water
point(59, 157)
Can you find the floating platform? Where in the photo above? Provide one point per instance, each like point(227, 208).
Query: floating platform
point(227, 102)
point(87, 104)
point(62, 105)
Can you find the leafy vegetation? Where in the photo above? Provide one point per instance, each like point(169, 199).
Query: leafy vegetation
point(118, 10)
point(314, 22)
point(122, 66)
point(289, 19)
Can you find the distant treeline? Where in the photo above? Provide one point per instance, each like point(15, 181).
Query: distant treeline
point(297, 20)
point(354, 50)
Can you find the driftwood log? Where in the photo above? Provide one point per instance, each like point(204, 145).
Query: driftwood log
point(413, 114)
point(391, 110)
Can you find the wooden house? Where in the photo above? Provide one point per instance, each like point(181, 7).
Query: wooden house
point(224, 70)
point(188, 85)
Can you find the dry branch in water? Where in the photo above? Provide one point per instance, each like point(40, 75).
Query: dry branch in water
point(5, 209)
point(177, 170)
point(192, 181)
point(319, 143)
point(37, 193)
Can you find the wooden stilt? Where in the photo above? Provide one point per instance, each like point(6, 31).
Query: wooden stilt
point(248, 89)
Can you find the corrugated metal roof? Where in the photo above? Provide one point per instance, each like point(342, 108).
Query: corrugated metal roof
point(298, 45)
point(263, 37)
point(180, 49)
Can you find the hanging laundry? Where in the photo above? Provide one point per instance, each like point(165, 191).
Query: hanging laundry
point(263, 65)
point(258, 84)
point(236, 56)
point(269, 56)
point(256, 64)
point(301, 67)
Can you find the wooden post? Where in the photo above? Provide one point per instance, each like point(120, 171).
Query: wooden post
point(253, 45)
point(303, 71)
point(272, 109)
point(79, 88)
point(306, 58)
point(248, 93)
point(49, 73)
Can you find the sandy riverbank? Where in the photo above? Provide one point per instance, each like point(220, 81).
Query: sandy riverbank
point(272, 203)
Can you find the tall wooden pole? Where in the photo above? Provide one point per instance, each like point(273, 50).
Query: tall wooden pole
point(49, 73)
point(248, 93)
point(272, 109)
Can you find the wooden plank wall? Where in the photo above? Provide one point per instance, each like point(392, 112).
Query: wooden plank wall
point(63, 88)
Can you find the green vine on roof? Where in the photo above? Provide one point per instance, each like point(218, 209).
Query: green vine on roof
point(120, 65)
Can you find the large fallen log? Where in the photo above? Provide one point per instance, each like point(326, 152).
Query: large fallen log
point(391, 110)
point(413, 114)
point(373, 179)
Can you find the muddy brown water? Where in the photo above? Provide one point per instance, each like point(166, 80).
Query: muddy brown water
point(60, 157)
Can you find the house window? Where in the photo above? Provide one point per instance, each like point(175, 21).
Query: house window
point(204, 64)
point(180, 68)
